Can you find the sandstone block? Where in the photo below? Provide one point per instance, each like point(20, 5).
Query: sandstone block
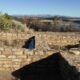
point(16, 60)
point(12, 57)
point(28, 52)
point(39, 53)
point(14, 36)
point(22, 56)
point(28, 59)
point(17, 51)
point(7, 65)
point(75, 51)
point(0, 52)
point(2, 69)
point(16, 66)
point(5, 61)
point(19, 36)
point(1, 49)
point(9, 36)
point(3, 36)
point(7, 52)
point(2, 56)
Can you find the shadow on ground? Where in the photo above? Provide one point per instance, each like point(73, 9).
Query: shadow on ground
point(68, 47)
point(45, 69)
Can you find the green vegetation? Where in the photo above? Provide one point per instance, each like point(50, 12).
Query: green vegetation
point(55, 20)
point(6, 23)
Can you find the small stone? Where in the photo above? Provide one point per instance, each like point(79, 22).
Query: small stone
point(22, 56)
point(17, 51)
point(28, 59)
point(1, 49)
point(12, 57)
point(2, 56)
point(76, 52)
point(28, 52)
point(16, 60)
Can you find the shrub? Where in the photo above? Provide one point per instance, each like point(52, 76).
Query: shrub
point(20, 28)
point(6, 16)
point(7, 24)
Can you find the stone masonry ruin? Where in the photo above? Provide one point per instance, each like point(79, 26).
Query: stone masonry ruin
point(13, 57)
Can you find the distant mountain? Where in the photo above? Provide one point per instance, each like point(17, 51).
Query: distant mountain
point(48, 16)
point(68, 24)
point(32, 16)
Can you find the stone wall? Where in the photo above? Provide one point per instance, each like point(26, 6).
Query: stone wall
point(59, 39)
point(12, 58)
point(43, 40)
point(13, 36)
point(14, 39)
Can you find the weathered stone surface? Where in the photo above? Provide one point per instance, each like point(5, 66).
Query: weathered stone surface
point(43, 39)
point(22, 56)
point(17, 51)
point(16, 60)
point(7, 52)
point(13, 58)
point(28, 52)
point(75, 51)
point(1, 48)
point(2, 56)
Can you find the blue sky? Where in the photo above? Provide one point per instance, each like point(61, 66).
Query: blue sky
point(37, 7)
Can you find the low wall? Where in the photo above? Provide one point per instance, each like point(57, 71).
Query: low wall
point(55, 38)
point(12, 58)
point(14, 39)
point(13, 36)
point(43, 39)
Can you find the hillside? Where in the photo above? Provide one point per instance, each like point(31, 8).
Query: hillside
point(52, 24)
point(9, 24)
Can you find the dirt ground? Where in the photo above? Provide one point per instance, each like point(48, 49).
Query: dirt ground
point(6, 76)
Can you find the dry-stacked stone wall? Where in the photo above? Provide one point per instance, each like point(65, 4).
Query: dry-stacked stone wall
point(13, 39)
point(58, 39)
point(13, 58)
point(42, 39)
